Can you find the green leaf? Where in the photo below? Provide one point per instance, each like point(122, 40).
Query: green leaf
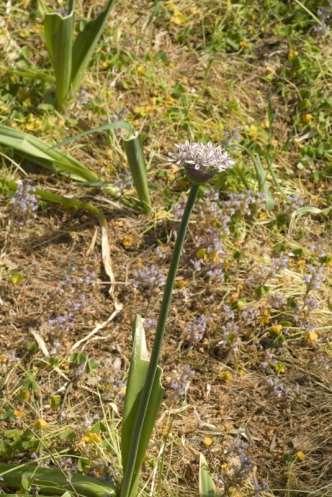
point(26, 481)
point(135, 384)
point(207, 487)
point(136, 162)
point(45, 155)
point(59, 34)
point(67, 494)
point(8, 187)
point(52, 481)
point(85, 45)
point(263, 183)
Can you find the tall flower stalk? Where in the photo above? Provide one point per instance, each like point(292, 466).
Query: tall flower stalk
point(201, 162)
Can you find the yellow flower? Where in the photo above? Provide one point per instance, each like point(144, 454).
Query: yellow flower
point(300, 455)
point(225, 376)
point(292, 54)
point(207, 441)
point(276, 329)
point(129, 241)
point(312, 337)
point(265, 317)
point(308, 118)
point(253, 132)
point(19, 413)
point(91, 437)
point(41, 424)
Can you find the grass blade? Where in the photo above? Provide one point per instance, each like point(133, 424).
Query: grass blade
point(136, 162)
point(85, 45)
point(59, 33)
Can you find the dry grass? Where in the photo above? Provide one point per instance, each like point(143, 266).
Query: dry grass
point(263, 389)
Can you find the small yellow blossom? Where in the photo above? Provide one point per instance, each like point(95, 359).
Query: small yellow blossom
point(25, 394)
point(3, 359)
point(301, 264)
point(226, 376)
point(312, 337)
point(279, 368)
point(41, 424)
point(177, 16)
point(129, 241)
point(276, 329)
point(91, 437)
point(265, 317)
point(207, 441)
point(308, 118)
point(292, 54)
point(181, 283)
point(33, 123)
point(300, 455)
point(19, 413)
point(253, 132)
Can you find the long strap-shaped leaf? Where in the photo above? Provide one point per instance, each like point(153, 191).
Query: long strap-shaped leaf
point(136, 162)
point(9, 187)
point(137, 375)
point(207, 487)
point(85, 45)
point(46, 155)
point(59, 34)
point(52, 481)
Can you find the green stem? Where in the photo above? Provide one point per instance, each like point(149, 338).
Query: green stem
point(127, 482)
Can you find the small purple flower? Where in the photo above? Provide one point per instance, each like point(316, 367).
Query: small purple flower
point(280, 263)
point(324, 14)
point(277, 387)
point(215, 273)
point(63, 321)
point(209, 249)
point(314, 278)
point(196, 264)
point(228, 313)
point(250, 315)
point(181, 384)
point(178, 208)
point(150, 323)
point(311, 303)
point(196, 329)
point(277, 300)
point(148, 278)
point(295, 201)
point(24, 203)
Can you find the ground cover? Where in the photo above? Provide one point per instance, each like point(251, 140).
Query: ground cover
point(247, 353)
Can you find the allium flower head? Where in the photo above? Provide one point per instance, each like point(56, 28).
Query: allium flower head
point(201, 160)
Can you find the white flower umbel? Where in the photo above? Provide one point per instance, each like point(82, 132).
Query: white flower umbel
point(201, 160)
